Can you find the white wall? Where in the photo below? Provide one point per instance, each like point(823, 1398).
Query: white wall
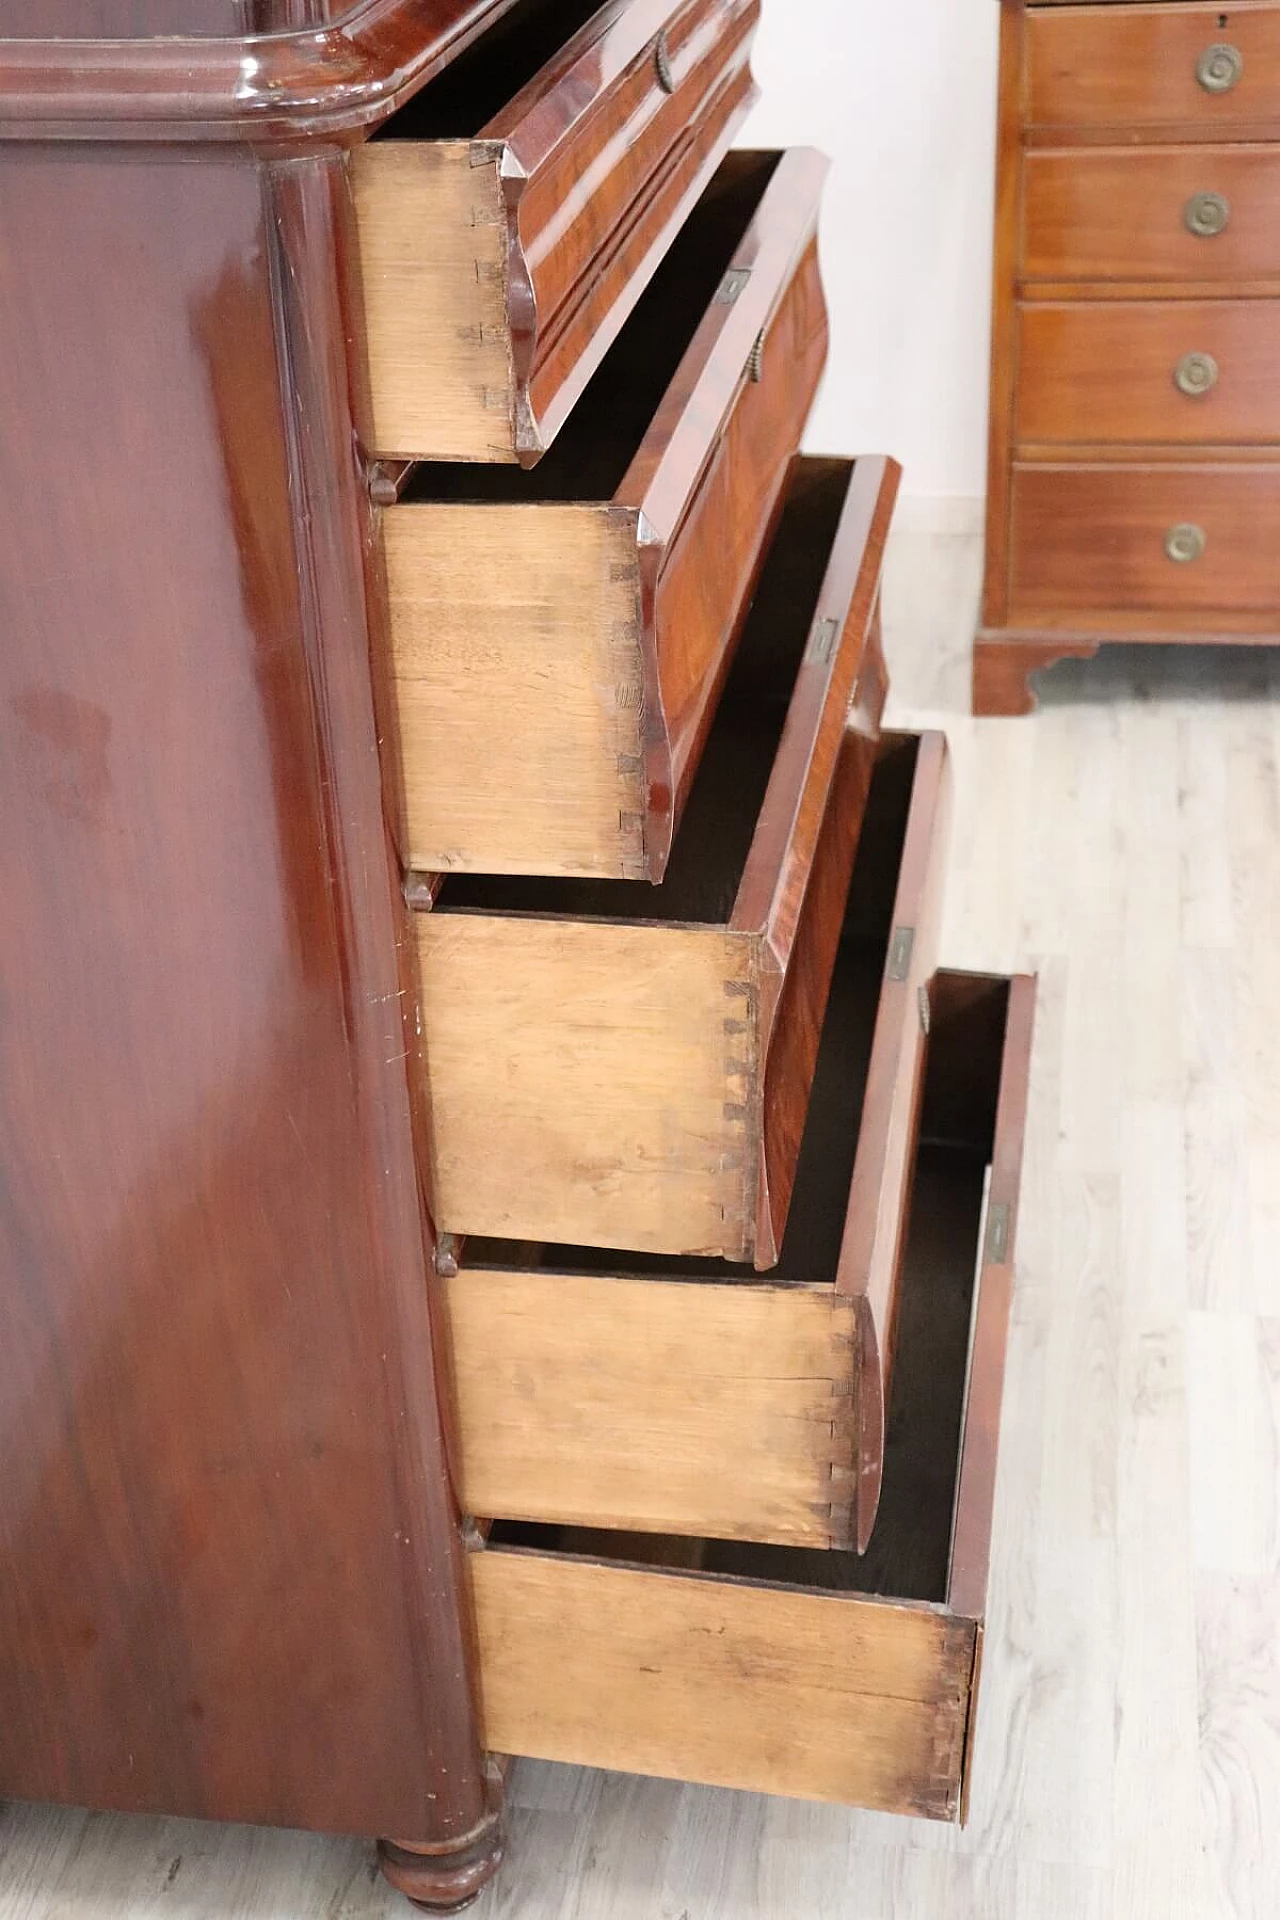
point(901, 96)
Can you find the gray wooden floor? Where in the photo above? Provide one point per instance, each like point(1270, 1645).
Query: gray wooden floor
point(1127, 843)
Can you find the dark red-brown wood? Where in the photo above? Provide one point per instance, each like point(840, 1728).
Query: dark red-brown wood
point(229, 1565)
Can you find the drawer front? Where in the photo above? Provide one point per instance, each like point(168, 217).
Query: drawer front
point(820, 1675)
point(1177, 373)
point(596, 1052)
point(1198, 68)
point(500, 256)
point(1093, 539)
point(672, 1396)
point(1130, 216)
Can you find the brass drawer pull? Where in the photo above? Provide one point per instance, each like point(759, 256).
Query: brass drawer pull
point(1196, 374)
point(755, 359)
point(662, 63)
point(1206, 214)
point(1220, 67)
point(1185, 542)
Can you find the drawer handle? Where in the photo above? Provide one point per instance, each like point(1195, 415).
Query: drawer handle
point(1206, 214)
point(1185, 542)
point(1196, 374)
point(755, 359)
point(662, 63)
point(1220, 67)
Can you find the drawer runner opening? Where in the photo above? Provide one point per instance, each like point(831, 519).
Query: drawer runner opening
point(910, 1553)
point(594, 448)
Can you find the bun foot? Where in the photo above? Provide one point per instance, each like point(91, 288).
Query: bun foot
point(444, 1880)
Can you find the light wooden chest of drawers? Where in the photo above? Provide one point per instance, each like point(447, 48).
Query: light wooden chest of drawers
point(1135, 400)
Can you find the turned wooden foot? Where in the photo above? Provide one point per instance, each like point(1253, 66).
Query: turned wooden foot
point(444, 1880)
point(1003, 665)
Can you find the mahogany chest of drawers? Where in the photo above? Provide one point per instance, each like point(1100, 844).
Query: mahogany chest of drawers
point(1134, 471)
point(506, 1226)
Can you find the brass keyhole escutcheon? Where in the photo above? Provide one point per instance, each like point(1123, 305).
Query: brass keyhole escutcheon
point(1220, 67)
point(1185, 542)
point(1206, 214)
point(662, 63)
point(1196, 374)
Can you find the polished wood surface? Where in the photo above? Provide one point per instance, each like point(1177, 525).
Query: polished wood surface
point(673, 462)
point(222, 1593)
point(502, 255)
point(1092, 539)
point(308, 72)
point(1104, 373)
point(1111, 215)
point(1135, 66)
point(597, 1052)
point(1102, 293)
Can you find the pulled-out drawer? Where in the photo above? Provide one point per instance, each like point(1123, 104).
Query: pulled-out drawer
point(696, 1398)
point(779, 1669)
point(510, 215)
point(558, 637)
point(614, 1064)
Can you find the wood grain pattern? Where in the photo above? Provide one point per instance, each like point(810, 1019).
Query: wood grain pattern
point(1134, 67)
point(696, 473)
point(479, 346)
point(1104, 373)
point(1005, 264)
point(825, 1697)
point(676, 1406)
point(1119, 215)
point(1091, 540)
point(219, 1593)
point(660, 1140)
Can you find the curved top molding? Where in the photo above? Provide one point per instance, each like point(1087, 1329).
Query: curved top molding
point(324, 82)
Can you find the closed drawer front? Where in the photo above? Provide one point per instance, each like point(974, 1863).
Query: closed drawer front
point(598, 1052)
point(1199, 69)
point(676, 1397)
point(1192, 540)
point(1106, 215)
point(1181, 373)
point(512, 213)
point(558, 637)
point(823, 1675)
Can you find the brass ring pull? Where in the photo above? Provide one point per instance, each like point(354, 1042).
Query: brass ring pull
point(1185, 542)
point(662, 63)
point(1220, 67)
point(1196, 374)
point(1206, 214)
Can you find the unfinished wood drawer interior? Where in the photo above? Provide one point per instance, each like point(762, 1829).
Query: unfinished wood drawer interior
point(615, 1064)
point(823, 1675)
point(697, 1397)
point(558, 636)
point(1160, 543)
point(511, 213)
point(1207, 71)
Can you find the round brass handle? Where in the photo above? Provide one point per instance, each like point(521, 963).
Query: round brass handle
point(1206, 214)
point(1220, 67)
point(1196, 374)
point(662, 63)
point(1185, 542)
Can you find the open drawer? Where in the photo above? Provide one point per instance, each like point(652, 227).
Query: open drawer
point(826, 1676)
point(511, 213)
point(558, 637)
point(693, 1397)
point(614, 1064)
